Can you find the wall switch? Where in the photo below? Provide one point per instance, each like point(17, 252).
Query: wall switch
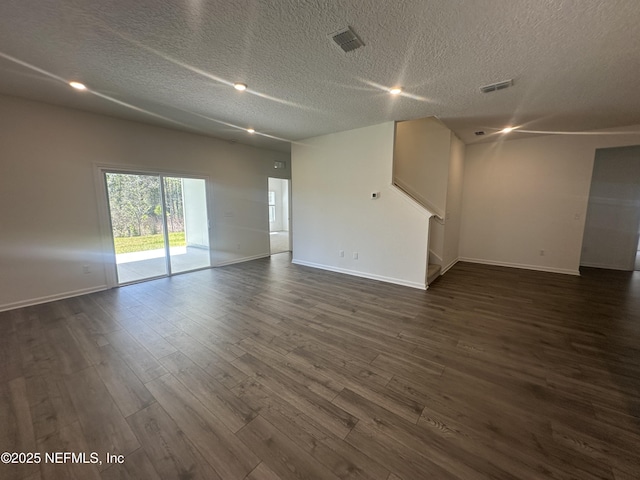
point(375, 195)
point(341, 253)
point(355, 255)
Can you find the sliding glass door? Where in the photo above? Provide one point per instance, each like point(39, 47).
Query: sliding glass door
point(159, 224)
point(187, 223)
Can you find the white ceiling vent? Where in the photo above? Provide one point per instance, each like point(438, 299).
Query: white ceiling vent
point(496, 86)
point(346, 39)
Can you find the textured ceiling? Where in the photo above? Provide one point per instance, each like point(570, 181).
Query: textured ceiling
point(575, 64)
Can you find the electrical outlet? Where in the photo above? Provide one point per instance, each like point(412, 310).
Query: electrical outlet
point(542, 253)
point(86, 269)
point(341, 253)
point(355, 255)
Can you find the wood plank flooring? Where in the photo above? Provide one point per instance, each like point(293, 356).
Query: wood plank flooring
point(268, 370)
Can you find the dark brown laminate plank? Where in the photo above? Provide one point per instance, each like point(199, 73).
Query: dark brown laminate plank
point(97, 318)
point(136, 466)
point(67, 350)
point(340, 457)
point(263, 472)
point(449, 456)
point(50, 404)
point(302, 373)
point(68, 439)
point(149, 338)
point(228, 455)
point(143, 364)
point(216, 366)
point(492, 373)
point(10, 361)
point(16, 431)
point(103, 426)
point(336, 419)
point(86, 339)
point(398, 459)
point(217, 398)
point(171, 453)
point(127, 390)
point(281, 454)
point(395, 401)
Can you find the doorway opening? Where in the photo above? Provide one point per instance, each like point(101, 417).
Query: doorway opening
point(159, 224)
point(279, 217)
point(612, 226)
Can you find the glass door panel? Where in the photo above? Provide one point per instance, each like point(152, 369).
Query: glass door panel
point(187, 223)
point(137, 226)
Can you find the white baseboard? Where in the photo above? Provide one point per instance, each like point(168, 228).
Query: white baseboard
point(85, 291)
point(564, 271)
point(51, 298)
point(355, 273)
point(448, 267)
point(606, 267)
point(243, 259)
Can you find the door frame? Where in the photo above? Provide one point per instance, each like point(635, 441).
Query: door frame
point(289, 218)
point(104, 214)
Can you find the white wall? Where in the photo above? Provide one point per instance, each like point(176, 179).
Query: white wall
point(613, 216)
point(196, 224)
point(333, 177)
point(421, 161)
point(49, 225)
point(523, 196)
point(453, 217)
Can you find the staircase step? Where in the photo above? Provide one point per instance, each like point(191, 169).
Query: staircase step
point(433, 272)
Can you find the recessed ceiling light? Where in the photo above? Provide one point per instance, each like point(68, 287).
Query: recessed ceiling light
point(395, 90)
point(251, 130)
point(240, 86)
point(507, 129)
point(77, 85)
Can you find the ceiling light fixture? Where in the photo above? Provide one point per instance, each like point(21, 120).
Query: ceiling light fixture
point(251, 130)
point(395, 90)
point(507, 129)
point(240, 86)
point(77, 85)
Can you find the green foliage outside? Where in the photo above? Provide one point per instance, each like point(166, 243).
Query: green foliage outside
point(135, 204)
point(148, 242)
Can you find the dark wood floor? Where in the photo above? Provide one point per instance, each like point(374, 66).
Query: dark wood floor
point(268, 370)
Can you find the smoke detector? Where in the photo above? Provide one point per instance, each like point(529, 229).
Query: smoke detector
point(346, 39)
point(496, 86)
